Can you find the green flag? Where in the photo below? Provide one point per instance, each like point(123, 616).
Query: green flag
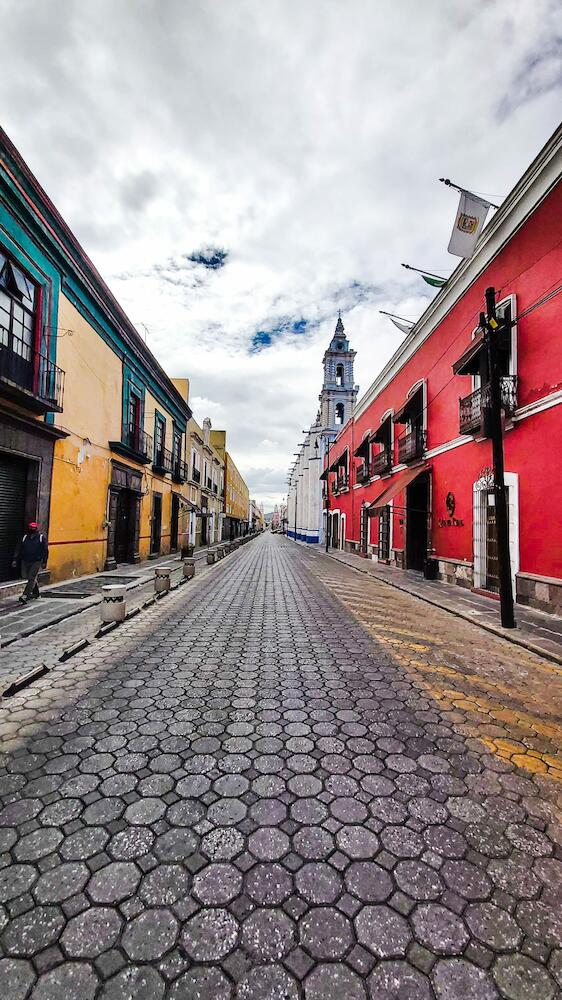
point(435, 282)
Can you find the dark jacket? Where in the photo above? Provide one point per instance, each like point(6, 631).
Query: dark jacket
point(32, 548)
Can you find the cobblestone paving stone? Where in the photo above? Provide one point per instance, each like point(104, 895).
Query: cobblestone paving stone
point(283, 786)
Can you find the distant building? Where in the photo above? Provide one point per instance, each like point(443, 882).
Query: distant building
point(257, 517)
point(202, 518)
point(337, 400)
point(237, 494)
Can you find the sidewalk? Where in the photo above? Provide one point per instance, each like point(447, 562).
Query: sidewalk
point(18, 621)
point(47, 640)
point(535, 630)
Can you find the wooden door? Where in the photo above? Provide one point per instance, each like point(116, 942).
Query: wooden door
point(156, 527)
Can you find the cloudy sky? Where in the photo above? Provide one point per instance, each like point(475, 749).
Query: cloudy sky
point(240, 169)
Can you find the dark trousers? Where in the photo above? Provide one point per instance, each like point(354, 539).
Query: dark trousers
point(30, 571)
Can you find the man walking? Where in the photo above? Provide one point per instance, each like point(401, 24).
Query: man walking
point(33, 552)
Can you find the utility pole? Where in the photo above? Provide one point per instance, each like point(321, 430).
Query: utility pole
point(491, 329)
point(328, 497)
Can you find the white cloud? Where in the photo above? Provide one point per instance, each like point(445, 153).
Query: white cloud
point(305, 139)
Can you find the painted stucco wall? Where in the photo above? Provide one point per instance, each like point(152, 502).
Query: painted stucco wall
point(81, 471)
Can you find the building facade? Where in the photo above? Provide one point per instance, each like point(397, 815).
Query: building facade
point(257, 517)
point(92, 431)
point(410, 482)
point(237, 501)
point(305, 520)
point(206, 486)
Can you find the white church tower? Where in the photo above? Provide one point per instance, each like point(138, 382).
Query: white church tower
point(337, 402)
point(339, 392)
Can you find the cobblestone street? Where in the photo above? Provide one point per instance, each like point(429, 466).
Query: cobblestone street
point(284, 781)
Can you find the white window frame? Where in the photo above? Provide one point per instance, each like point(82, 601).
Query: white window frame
point(510, 300)
point(481, 488)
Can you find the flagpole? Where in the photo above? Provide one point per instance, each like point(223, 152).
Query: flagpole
point(449, 183)
point(395, 316)
point(419, 271)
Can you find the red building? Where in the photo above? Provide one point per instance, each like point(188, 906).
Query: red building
point(410, 473)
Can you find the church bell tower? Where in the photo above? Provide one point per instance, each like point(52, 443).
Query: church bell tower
point(339, 392)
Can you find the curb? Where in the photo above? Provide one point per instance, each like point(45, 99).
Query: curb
point(105, 629)
point(513, 639)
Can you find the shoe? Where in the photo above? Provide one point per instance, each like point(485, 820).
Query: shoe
point(22, 599)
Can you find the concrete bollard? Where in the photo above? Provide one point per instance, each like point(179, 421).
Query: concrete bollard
point(211, 558)
point(114, 607)
point(189, 568)
point(161, 579)
point(220, 551)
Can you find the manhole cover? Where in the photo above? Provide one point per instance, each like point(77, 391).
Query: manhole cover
point(86, 588)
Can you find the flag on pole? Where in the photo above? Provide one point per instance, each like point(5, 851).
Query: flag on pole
point(470, 218)
point(435, 282)
point(404, 327)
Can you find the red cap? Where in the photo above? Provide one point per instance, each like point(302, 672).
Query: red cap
point(33, 524)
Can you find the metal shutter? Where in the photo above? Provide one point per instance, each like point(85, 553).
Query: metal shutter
point(13, 478)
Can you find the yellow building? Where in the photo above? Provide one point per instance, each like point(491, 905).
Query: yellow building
point(92, 430)
point(237, 501)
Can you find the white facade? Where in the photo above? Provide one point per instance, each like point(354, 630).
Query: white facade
point(337, 401)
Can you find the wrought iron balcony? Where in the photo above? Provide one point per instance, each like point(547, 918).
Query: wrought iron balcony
point(341, 483)
point(135, 443)
point(163, 461)
point(180, 471)
point(411, 445)
point(363, 473)
point(30, 378)
point(472, 408)
point(381, 463)
point(196, 475)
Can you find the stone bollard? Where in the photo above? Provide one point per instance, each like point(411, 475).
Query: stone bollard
point(211, 558)
point(161, 579)
point(221, 552)
point(189, 568)
point(113, 608)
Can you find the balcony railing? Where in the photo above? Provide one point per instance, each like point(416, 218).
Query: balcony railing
point(31, 375)
point(163, 461)
point(411, 445)
point(209, 483)
point(472, 409)
point(180, 471)
point(196, 475)
point(134, 440)
point(340, 483)
point(363, 473)
point(382, 462)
